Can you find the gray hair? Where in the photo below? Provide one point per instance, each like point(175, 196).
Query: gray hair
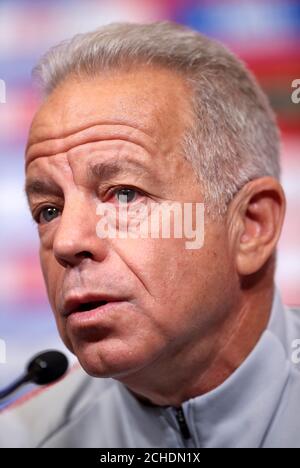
point(233, 137)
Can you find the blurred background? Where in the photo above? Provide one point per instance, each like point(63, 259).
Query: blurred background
point(264, 33)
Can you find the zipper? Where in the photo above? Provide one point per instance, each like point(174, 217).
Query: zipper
point(184, 429)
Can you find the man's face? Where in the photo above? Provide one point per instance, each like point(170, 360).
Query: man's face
point(170, 299)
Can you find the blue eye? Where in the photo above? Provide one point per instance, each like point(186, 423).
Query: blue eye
point(47, 214)
point(125, 195)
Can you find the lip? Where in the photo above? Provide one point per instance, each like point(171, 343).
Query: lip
point(92, 318)
point(76, 304)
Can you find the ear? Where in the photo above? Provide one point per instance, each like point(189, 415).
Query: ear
point(256, 216)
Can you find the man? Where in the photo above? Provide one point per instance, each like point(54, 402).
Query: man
point(186, 347)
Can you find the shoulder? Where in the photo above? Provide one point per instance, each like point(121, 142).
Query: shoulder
point(31, 419)
point(284, 431)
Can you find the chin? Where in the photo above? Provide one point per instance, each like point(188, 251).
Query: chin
point(103, 361)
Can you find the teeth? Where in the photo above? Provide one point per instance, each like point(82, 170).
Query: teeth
point(91, 305)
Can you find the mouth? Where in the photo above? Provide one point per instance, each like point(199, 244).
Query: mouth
point(86, 304)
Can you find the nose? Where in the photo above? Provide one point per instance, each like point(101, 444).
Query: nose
point(75, 238)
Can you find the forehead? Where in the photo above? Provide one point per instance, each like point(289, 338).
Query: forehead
point(147, 101)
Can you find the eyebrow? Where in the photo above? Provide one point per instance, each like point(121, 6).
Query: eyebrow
point(102, 171)
point(107, 170)
point(38, 186)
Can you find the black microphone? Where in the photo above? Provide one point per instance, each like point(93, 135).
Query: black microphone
point(44, 368)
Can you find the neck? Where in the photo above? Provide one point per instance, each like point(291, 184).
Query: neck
point(239, 335)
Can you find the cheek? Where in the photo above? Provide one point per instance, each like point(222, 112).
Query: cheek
point(170, 280)
point(177, 279)
point(156, 263)
point(165, 267)
point(52, 273)
point(53, 277)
